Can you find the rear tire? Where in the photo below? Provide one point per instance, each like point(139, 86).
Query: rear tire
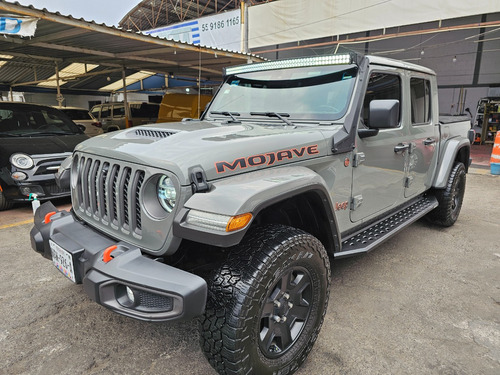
point(450, 198)
point(266, 303)
point(4, 203)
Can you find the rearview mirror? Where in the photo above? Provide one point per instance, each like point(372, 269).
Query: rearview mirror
point(384, 114)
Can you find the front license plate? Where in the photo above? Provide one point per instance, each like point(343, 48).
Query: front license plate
point(63, 260)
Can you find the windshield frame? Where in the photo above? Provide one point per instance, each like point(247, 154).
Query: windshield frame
point(333, 80)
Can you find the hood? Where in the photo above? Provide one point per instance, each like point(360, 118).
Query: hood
point(221, 150)
point(38, 145)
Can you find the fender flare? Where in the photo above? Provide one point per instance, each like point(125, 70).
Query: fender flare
point(447, 158)
point(251, 192)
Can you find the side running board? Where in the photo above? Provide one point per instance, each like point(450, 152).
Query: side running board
point(369, 238)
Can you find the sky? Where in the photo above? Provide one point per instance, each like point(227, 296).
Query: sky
point(109, 12)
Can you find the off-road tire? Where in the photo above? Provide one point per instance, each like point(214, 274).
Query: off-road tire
point(4, 203)
point(450, 198)
point(272, 273)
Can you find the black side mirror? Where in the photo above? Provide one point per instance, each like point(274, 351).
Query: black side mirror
point(384, 114)
point(365, 133)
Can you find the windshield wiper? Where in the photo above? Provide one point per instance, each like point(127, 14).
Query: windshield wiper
point(226, 113)
point(281, 116)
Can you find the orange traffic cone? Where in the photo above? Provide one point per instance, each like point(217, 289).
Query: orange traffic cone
point(495, 156)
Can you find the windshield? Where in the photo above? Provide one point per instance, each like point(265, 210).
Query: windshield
point(77, 114)
point(311, 93)
point(144, 110)
point(22, 120)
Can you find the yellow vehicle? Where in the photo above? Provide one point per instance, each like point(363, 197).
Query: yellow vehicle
point(175, 107)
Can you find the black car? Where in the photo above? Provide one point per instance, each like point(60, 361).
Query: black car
point(34, 140)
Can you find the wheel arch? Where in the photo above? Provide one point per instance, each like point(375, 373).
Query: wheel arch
point(293, 196)
point(454, 150)
point(308, 209)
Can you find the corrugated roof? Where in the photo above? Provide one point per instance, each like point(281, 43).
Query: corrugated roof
point(64, 40)
point(150, 14)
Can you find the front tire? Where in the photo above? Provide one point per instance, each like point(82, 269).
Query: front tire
point(4, 203)
point(450, 198)
point(266, 303)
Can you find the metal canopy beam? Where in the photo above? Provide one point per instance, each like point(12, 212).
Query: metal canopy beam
point(63, 40)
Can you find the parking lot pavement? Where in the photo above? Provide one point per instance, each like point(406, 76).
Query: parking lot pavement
point(425, 302)
point(22, 213)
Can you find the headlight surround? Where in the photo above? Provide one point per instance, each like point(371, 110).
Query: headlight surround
point(22, 161)
point(167, 195)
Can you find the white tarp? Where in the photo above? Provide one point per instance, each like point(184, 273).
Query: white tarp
point(288, 21)
point(221, 31)
point(14, 25)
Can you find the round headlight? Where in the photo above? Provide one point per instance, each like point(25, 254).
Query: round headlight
point(22, 161)
point(166, 193)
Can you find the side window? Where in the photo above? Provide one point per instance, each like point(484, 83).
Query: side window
point(118, 111)
point(381, 86)
point(420, 93)
point(105, 111)
point(95, 112)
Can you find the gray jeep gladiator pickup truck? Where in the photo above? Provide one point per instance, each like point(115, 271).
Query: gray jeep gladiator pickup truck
point(234, 218)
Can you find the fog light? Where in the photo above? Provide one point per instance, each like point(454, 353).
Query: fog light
point(19, 176)
point(32, 189)
point(130, 295)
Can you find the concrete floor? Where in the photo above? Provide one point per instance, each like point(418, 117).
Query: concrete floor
point(425, 302)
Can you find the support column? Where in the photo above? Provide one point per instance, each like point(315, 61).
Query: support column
point(59, 97)
point(125, 101)
point(243, 27)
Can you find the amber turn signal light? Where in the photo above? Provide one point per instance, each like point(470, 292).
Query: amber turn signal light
point(238, 222)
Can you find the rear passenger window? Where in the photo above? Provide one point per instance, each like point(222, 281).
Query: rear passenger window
point(118, 111)
point(381, 86)
point(420, 90)
point(105, 111)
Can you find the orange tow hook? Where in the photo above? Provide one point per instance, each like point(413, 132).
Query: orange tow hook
point(106, 257)
point(46, 220)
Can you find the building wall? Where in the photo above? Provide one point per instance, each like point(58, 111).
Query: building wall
point(465, 60)
point(287, 21)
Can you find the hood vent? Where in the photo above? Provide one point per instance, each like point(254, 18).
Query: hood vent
point(153, 133)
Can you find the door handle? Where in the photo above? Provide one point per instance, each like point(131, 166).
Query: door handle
point(401, 147)
point(429, 141)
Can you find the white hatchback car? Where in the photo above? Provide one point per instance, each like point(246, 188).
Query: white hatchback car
point(81, 116)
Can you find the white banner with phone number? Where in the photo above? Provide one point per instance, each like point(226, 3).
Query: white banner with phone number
point(221, 31)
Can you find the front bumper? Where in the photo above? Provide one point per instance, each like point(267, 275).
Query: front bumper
point(159, 292)
point(44, 189)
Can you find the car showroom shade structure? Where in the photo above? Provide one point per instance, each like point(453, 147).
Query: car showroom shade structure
point(97, 54)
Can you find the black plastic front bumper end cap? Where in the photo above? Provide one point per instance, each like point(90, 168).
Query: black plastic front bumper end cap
point(40, 232)
point(134, 285)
